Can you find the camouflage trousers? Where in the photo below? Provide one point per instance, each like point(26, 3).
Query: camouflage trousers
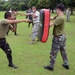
point(58, 44)
point(35, 31)
point(68, 18)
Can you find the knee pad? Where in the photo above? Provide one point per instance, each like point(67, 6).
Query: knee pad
point(9, 51)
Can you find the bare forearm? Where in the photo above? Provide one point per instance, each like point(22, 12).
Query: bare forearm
point(53, 18)
point(17, 21)
point(51, 24)
point(23, 14)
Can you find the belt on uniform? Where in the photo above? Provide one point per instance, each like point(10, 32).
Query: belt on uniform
point(2, 38)
point(36, 22)
point(58, 35)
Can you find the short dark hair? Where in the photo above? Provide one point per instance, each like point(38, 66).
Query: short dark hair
point(61, 7)
point(7, 14)
point(34, 7)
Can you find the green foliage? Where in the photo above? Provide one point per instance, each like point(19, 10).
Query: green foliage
point(7, 5)
point(24, 4)
point(43, 4)
point(15, 4)
point(70, 3)
point(32, 3)
point(53, 3)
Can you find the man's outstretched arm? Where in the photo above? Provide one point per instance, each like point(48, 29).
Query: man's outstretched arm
point(17, 21)
point(28, 14)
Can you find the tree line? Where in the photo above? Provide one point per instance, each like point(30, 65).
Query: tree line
point(25, 4)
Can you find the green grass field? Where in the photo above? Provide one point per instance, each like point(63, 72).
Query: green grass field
point(31, 58)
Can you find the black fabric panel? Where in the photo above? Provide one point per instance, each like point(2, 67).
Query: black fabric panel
point(41, 29)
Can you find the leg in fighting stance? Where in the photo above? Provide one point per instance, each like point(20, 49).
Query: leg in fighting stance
point(34, 33)
point(58, 44)
point(29, 24)
point(15, 28)
point(8, 32)
point(10, 27)
point(6, 48)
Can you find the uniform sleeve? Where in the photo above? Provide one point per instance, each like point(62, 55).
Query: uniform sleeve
point(57, 21)
point(4, 22)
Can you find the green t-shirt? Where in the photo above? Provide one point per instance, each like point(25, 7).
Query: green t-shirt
point(59, 25)
point(3, 28)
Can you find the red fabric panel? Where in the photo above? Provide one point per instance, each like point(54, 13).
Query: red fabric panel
point(46, 25)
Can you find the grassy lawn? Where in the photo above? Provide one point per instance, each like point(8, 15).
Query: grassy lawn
point(31, 58)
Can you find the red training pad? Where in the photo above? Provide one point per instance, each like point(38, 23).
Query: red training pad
point(46, 25)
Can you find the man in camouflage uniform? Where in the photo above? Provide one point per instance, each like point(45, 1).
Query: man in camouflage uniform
point(14, 15)
point(59, 39)
point(4, 26)
point(68, 13)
